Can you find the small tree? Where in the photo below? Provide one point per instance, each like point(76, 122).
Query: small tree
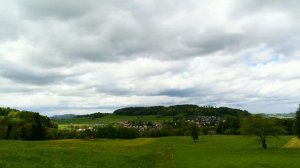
point(194, 132)
point(297, 124)
point(261, 127)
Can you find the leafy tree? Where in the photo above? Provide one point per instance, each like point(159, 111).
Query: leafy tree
point(287, 123)
point(194, 132)
point(231, 126)
point(261, 127)
point(38, 130)
point(27, 131)
point(297, 124)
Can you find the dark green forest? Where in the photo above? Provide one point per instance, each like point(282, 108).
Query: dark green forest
point(26, 125)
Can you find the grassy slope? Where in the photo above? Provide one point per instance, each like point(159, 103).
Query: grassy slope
point(75, 153)
point(210, 151)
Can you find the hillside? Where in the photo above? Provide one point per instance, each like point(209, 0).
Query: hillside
point(181, 109)
point(70, 116)
point(25, 125)
point(281, 115)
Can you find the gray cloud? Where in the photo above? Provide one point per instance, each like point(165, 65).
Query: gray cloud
point(110, 30)
point(31, 78)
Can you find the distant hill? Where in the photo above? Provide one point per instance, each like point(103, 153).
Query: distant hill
point(64, 116)
point(71, 116)
point(185, 109)
point(281, 115)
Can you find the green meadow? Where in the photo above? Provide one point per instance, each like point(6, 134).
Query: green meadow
point(173, 152)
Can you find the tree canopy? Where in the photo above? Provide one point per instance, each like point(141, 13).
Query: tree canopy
point(297, 124)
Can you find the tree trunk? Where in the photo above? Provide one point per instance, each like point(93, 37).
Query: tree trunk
point(263, 141)
point(8, 130)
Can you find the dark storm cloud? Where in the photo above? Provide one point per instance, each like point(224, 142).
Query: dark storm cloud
point(66, 9)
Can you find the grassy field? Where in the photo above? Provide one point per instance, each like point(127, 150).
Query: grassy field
point(110, 119)
point(210, 151)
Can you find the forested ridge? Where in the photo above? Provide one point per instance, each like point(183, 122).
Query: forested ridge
point(182, 109)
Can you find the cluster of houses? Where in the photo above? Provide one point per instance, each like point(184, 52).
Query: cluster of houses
point(202, 121)
point(140, 126)
point(80, 128)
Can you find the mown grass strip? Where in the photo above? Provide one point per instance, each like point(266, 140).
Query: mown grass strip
point(293, 143)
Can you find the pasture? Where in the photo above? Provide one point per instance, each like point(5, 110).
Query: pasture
point(173, 152)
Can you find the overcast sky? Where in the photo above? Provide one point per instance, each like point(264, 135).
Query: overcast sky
point(83, 56)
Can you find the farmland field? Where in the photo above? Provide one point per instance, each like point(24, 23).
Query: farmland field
point(210, 151)
point(109, 119)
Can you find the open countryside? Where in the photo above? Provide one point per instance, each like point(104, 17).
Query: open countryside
point(150, 84)
point(148, 137)
point(209, 151)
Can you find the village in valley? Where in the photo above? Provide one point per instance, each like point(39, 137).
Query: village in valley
point(143, 125)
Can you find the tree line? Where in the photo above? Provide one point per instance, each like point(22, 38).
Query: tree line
point(92, 116)
point(26, 125)
point(108, 131)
